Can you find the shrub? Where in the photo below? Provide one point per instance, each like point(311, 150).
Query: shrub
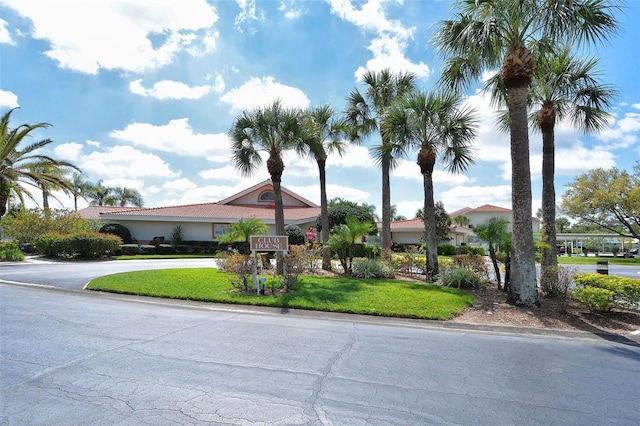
point(241, 266)
point(624, 292)
point(25, 226)
point(596, 299)
point(84, 244)
point(446, 250)
point(165, 249)
point(10, 252)
point(147, 249)
point(369, 268)
point(129, 249)
point(295, 234)
point(117, 229)
point(473, 263)
point(461, 278)
point(556, 280)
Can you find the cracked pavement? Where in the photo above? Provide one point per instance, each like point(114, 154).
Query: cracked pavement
point(73, 357)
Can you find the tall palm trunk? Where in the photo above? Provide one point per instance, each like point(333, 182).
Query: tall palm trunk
point(386, 209)
point(426, 161)
point(516, 72)
point(549, 261)
point(324, 215)
point(45, 198)
point(275, 166)
point(523, 288)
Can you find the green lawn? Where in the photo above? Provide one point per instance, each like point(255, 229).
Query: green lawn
point(335, 294)
point(581, 260)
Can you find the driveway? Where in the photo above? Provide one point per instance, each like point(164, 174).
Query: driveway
point(78, 357)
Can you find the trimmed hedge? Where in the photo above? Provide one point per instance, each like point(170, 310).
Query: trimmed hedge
point(605, 292)
point(90, 245)
point(446, 250)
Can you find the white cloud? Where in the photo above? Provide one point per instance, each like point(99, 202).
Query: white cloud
point(624, 132)
point(5, 37)
point(68, 151)
point(289, 10)
point(135, 35)
point(312, 192)
point(226, 173)
point(459, 197)
point(167, 89)
point(247, 16)
point(8, 99)
point(176, 137)
point(391, 37)
point(411, 170)
point(635, 106)
point(118, 161)
point(257, 93)
point(354, 156)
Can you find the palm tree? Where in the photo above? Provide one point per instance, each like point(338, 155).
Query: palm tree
point(100, 195)
point(324, 138)
point(344, 238)
point(20, 166)
point(243, 230)
point(512, 35)
point(274, 130)
point(438, 126)
point(124, 196)
point(493, 232)
point(461, 220)
point(364, 114)
point(79, 188)
point(563, 88)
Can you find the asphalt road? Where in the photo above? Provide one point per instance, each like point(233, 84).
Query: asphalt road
point(75, 357)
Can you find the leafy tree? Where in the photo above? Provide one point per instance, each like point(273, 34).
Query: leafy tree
point(274, 130)
point(364, 114)
point(438, 126)
point(443, 221)
point(512, 35)
point(295, 234)
point(609, 199)
point(339, 212)
point(124, 196)
point(562, 224)
point(344, 238)
point(22, 165)
point(26, 225)
point(324, 138)
point(494, 233)
point(117, 229)
point(243, 230)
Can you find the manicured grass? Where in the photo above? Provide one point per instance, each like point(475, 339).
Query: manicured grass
point(163, 256)
point(581, 260)
point(335, 294)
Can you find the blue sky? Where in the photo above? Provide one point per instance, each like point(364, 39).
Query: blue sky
point(142, 93)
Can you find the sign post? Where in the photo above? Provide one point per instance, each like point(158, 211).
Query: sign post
point(279, 243)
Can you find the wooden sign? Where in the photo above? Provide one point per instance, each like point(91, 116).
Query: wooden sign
point(273, 243)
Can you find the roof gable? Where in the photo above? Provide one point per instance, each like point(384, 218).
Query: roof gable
point(251, 196)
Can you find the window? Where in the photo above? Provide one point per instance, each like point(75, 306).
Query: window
point(266, 197)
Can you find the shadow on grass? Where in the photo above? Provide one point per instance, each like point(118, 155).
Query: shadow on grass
point(322, 291)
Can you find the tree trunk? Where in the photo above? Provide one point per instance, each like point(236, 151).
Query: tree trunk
point(549, 261)
point(523, 285)
point(324, 216)
point(386, 209)
point(426, 161)
point(275, 166)
point(496, 267)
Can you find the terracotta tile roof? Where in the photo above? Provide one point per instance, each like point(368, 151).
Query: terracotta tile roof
point(94, 212)
point(216, 212)
point(460, 212)
point(490, 208)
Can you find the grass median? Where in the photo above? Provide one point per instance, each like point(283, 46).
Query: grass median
point(392, 298)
